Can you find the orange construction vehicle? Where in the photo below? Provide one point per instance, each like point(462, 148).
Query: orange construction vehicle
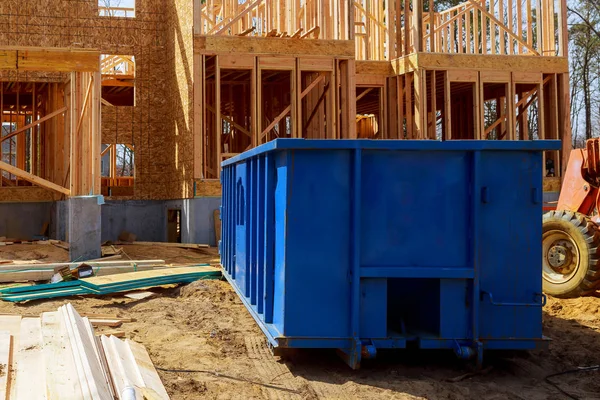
point(571, 234)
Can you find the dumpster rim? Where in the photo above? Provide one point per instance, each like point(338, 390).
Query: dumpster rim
point(395, 145)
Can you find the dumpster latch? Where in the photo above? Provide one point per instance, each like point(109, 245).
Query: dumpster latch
point(539, 301)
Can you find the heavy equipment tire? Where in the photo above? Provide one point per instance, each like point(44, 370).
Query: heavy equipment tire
point(571, 254)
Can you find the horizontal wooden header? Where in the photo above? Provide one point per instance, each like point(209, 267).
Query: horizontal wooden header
point(476, 62)
point(383, 68)
point(49, 59)
point(273, 46)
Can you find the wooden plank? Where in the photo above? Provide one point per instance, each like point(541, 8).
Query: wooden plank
point(152, 382)
point(84, 346)
point(26, 194)
point(113, 323)
point(6, 351)
point(61, 379)
point(236, 62)
point(275, 46)
point(316, 64)
point(33, 179)
point(30, 361)
point(122, 365)
point(467, 62)
point(134, 276)
point(383, 68)
point(48, 59)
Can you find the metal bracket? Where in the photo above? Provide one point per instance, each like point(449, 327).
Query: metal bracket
point(541, 296)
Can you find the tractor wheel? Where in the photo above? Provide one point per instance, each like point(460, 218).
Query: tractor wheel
point(571, 254)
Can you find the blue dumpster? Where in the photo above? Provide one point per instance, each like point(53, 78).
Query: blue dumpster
point(361, 245)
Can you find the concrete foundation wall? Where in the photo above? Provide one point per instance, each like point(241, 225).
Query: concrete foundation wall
point(24, 220)
point(148, 219)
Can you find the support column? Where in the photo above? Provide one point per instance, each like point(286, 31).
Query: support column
point(84, 229)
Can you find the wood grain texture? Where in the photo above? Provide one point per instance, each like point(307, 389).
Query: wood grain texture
point(6, 349)
point(30, 361)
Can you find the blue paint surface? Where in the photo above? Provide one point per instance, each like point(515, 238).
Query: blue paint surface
point(383, 243)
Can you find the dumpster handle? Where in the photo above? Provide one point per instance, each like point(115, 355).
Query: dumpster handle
point(502, 304)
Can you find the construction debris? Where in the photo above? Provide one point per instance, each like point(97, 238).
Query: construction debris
point(37, 272)
point(110, 284)
point(58, 356)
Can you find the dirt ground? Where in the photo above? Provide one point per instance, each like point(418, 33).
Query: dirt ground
point(204, 327)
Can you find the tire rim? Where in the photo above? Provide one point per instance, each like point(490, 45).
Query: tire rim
point(561, 257)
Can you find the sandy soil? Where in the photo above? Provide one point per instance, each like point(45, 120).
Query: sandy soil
point(204, 326)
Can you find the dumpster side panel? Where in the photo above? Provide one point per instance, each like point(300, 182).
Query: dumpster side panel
point(242, 193)
point(510, 245)
point(317, 250)
point(280, 295)
point(415, 209)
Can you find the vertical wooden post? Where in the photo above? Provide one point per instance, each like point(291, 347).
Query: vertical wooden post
point(198, 117)
point(433, 105)
point(197, 10)
point(73, 155)
point(331, 107)
point(96, 131)
point(218, 120)
point(432, 44)
point(400, 105)
point(392, 100)
point(565, 118)
point(348, 72)
point(410, 109)
point(418, 25)
point(421, 103)
point(563, 29)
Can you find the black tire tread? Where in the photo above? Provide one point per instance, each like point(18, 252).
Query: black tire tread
point(591, 233)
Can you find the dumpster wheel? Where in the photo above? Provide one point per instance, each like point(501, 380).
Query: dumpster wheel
point(570, 253)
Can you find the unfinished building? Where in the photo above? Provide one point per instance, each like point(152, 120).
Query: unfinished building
point(123, 115)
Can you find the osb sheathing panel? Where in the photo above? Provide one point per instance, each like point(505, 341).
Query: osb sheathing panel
point(180, 53)
point(159, 126)
point(27, 194)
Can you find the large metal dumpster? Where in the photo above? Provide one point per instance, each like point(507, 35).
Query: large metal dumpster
point(360, 245)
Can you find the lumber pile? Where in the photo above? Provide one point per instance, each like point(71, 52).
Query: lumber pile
point(21, 271)
point(58, 356)
point(103, 285)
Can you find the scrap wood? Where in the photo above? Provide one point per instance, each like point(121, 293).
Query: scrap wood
point(63, 353)
point(113, 323)
point(112, 332)
point(59, 244)
point(38, 275)
point(6, 350)
point(139, 295)
point(110, 284)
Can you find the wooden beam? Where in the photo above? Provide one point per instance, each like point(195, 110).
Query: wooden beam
point(33, 179)
point(34, 124)
point(363, 94)
point(229, 45)
point(276, 121)
point(316, 108)
point(513, 63)
point(48, 59)
point(310, 87)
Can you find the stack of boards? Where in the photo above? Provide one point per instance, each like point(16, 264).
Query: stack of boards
point(57, 356)
point(110, 284)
